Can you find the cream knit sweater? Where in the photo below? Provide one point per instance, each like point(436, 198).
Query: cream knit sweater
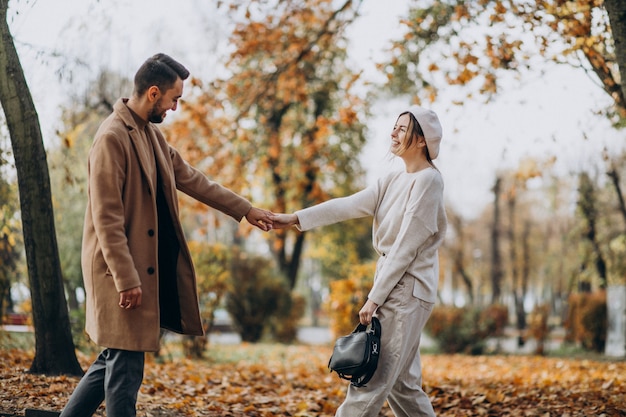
point(409, 224)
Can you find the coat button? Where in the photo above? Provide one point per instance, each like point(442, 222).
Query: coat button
point(150, 232)
point(150, 271)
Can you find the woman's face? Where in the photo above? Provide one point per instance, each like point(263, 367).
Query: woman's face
point(400, 135)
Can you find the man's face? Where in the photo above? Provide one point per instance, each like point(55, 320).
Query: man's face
point(166, 101)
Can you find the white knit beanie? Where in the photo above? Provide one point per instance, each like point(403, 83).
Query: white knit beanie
point(429, 122)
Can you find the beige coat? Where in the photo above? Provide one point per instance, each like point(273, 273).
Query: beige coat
point(120, 247)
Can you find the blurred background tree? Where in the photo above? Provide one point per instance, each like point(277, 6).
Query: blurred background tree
point(11, 247)
point(284, 128)
point(54, 347)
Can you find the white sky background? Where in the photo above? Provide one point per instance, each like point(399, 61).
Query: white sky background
point(539, 117)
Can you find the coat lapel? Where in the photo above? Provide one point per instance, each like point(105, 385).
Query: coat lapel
point(145, 154)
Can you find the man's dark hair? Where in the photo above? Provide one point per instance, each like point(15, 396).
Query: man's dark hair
point(161, 70)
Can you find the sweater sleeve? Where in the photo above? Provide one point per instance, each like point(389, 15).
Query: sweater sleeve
point(419, 227)
point(360, 204)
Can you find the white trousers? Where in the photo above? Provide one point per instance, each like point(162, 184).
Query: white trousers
point(398, 377)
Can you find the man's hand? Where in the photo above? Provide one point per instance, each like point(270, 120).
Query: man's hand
point(260, 218)
point(130, 299)
point(366, 313)
point(282, 221)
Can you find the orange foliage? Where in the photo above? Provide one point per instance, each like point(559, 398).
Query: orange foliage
point(283, 128)
point(562, 31)
point(586, 320)
point(538, 326)
point(347, 296)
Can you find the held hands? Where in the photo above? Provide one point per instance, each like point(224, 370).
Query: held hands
point(266, 220)
point(283, 221)
point(260, 218)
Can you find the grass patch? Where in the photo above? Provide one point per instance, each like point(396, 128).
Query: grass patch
point(24, 341)
point(244, 352)
point(573, 351)
point(263, 353)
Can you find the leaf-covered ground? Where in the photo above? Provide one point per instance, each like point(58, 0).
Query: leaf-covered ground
point(277, 380)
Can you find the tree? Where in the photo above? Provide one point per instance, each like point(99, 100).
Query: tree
point(53, 338)
point(479, 42)
point(616, 10)
point(519, 281)
point(286, 120)
point(496, 248)
point(518, 233)
point(615, 177)
point(588, 207)
point(10, 245)
point(456, 250)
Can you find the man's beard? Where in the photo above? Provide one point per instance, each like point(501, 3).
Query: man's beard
point(155, 116)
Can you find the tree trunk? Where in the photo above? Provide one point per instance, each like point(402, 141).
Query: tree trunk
point(616, 321)
point(524, 277)
point(518, 294)
point(288, 265)
point(465, 277)
point(54, 346)
point(587, 204)
point(496, 258)
point(615, 179)
point(616, 10)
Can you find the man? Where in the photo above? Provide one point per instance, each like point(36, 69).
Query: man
point(137, 269)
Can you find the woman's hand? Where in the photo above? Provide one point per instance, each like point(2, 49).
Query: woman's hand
point(367, 311)
point(282, 220)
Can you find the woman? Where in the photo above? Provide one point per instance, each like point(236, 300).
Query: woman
point(409, 224)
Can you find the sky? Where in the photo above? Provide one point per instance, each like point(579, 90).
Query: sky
point(545, 115)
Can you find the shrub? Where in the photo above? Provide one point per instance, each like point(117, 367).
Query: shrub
point(284, 323)
point(212, 263)
point(255, 296)
point(465, 329)
point(586, 322)
point(538, 326)
point(451, 328)
point(492, 320)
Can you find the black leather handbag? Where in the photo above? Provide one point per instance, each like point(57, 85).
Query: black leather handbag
point(355, 356)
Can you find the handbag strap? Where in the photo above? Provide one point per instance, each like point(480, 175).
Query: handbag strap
point(373, 327)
